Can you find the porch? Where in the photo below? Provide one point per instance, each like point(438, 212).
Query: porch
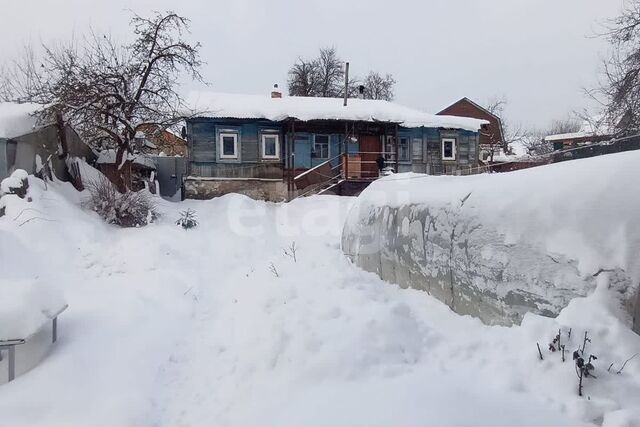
point(322, 156)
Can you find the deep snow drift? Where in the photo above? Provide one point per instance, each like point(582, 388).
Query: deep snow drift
point(497, 246)
point(219, 326)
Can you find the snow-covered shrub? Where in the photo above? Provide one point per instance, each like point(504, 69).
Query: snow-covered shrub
point(187, 219)
point(17, 183)
point(129, 209)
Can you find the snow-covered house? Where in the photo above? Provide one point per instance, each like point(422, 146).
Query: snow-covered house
point(31, 143)
point(492, 138)
point(274, 147)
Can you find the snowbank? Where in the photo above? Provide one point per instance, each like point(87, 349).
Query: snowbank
point(26, 301)
point(224, 105)
point(497, 246)
point(17, 119)
point(169, 327)
point(26, 306)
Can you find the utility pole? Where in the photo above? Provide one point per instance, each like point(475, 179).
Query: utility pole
point(346, 82)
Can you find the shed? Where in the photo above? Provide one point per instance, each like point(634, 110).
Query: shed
point(31, 143)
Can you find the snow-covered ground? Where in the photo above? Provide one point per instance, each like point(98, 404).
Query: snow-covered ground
point(218, 326)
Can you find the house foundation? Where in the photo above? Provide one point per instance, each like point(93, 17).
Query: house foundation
point(273, 190)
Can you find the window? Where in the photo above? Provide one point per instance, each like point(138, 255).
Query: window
point(448, 149)
point(270, 146)
point(389, 149)
point(320, 147)
point(228, 145)
point(417, 149)
point(403, 149)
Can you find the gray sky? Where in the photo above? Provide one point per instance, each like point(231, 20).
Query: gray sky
point(538, 54)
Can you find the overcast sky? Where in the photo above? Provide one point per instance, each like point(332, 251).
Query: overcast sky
point(538, 54)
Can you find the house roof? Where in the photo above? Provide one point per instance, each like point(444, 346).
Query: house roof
point(17, 119)
point(475, 104)
point(223, 105)
point(587, 130)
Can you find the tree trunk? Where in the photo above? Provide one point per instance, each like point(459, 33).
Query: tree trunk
point(119, 178)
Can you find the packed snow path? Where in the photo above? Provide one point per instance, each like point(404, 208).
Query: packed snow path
point(218, 326)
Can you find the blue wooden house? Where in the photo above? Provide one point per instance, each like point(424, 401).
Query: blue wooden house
point(276, 148)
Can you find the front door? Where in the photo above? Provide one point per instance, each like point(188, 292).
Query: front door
point(370, 148)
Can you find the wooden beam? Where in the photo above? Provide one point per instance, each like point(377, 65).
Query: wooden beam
point(397, 146)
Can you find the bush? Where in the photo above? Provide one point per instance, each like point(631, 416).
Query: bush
point(187, 219)
point(129, 209)
point(17, 183)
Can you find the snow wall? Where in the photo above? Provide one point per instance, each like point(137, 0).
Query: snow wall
point(497, 246)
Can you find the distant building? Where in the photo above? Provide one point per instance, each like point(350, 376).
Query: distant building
point(157, 141)
point(591, 140)
point(279, 147)
point(491, 134)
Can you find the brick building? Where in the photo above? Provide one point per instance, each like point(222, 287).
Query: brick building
point(491, 134)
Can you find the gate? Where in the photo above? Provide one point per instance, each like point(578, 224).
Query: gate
point(169, 173)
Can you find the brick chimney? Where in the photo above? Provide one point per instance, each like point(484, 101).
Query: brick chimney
point(276, 93)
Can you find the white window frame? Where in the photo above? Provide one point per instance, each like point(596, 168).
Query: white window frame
point(221, 137)
point(264, 146)
point(453, 148)
point(389, 148)
point(328, 146)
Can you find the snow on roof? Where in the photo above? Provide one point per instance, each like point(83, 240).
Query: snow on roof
point(223, 105)
point(26, 306)
point(587, 130)
point(571, 135)
point(109, 157)
point(518, 152)
point(17, 119)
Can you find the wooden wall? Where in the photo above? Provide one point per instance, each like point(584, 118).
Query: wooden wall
point(425, 149)
point(204, 158)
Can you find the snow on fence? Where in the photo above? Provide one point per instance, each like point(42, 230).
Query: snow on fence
point(28, 325)
point(497, 246)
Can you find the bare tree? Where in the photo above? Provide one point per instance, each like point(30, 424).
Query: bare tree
point(497, 141)
point(303, 78)
point(108, 91)
point(619, 91)
point(330, 73)
point(534, 142)
point(377, 86)
point(324, 77)
point(567, 125)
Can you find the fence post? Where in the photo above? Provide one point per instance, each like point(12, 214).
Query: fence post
point(12, 362)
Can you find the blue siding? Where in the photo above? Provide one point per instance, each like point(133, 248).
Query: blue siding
point(424, 147)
